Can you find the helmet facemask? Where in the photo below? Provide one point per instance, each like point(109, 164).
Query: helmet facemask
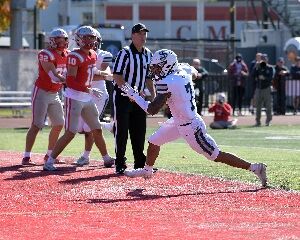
point(98, 42)
point(85, 37)
point(163, 63)
point(58, 39)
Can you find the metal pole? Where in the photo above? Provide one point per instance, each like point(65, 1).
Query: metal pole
point(34, 26)
point(93, 11)
point(16, 30)
point(232, 11)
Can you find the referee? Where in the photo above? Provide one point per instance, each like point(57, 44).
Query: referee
point(131, 66)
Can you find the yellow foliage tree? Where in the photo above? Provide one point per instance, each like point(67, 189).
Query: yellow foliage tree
point(5, 15)
point(5, 12)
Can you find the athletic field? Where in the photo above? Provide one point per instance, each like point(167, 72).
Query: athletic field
point(188, 198)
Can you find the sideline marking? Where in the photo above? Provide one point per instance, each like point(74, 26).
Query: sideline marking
point(284, 149)
point(283, 137)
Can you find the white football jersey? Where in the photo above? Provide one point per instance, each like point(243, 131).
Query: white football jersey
point(182, 101)
point(102, 57)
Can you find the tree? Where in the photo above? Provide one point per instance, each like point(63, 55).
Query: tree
point(5, 15)
point(42, 4)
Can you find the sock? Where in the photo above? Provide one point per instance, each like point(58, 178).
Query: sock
point(107, 126)
point(252, 167)
point(27, 154)
point(86, 154)
point(106, 157)
point(148, 168)
point(50, 160)
point(49, 152)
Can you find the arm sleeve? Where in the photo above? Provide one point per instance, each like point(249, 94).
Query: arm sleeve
point(212, 108)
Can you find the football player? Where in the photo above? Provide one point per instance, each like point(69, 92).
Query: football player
point(45, 99)
point(104, 58)
point(175, 88)
point(81, 66)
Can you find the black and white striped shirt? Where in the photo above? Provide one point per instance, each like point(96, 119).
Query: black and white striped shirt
point(133, 65)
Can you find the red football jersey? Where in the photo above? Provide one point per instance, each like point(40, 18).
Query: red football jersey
point(60, 62)
point(222, 113)
point(85, 73)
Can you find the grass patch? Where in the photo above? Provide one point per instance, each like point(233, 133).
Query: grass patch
point(277, 146)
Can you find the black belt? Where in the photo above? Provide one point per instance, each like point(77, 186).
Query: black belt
point(182, 125)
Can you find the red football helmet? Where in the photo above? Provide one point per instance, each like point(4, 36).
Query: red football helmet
point(58, 39)
point(86, 37)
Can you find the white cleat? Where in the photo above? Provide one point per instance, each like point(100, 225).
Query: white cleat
point(49, 167)
point(140, 172)
point(82, 161)
point(108, 163)
point(260, 170)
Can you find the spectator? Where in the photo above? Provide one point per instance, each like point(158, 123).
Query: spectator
point(102, 63)
point(263, 75)
point(174, 86)
point(45, 99)
point(295, 75)
point(222, 111)
point(281, 73)
point(78, 96)
point(238, 73)
point(131, 66)
point(254, 64)
point(199, 83)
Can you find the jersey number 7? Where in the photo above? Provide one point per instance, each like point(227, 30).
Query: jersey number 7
point(189, 90)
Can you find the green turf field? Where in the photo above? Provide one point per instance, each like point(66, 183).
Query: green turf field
point(277, 146)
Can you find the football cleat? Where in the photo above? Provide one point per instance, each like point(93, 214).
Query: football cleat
point(82, 161)
point(109, 162)
point(56, 161)
point(49, 167)
point(260, 170)
point(139, 172)
point(27, 162)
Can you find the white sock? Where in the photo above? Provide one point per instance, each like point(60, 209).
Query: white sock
point(49, 152)
point(50, 160)
point(107, 126)
point(106, 157)
point(86, 154)
point(148, 168)
point(252, 167)
point(27, 154)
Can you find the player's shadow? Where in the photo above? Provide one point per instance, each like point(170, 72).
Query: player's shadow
point(12, 168)
point(35, 173)
point(85, 179)
point(138, 195)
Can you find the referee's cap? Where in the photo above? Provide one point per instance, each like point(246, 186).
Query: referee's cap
point(139, 27)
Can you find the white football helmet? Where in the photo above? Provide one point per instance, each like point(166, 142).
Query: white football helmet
point(163, 63)
point(99, 40)
point(56, 43)
point(85, 37)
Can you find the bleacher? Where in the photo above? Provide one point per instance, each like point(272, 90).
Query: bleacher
point(17, 101)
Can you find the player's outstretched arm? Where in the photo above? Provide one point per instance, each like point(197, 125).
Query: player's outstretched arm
point(158, 102)
point(149, 107)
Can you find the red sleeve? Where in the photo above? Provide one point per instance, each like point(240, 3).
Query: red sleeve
point(227, 109)
point(212, 108)
point(45, 57)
